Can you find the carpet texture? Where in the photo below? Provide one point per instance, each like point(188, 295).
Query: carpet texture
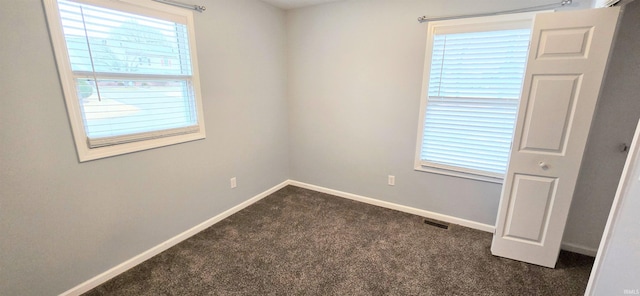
point(301, 242)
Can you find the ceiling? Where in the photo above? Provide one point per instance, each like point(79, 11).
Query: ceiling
point(290, 4)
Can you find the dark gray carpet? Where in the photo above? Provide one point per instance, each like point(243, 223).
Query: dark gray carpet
point(300, 242)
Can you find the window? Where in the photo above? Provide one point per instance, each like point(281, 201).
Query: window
point(472, 83)
point(129, 74)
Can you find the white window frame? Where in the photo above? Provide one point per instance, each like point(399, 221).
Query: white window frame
point(466, 25)
point(145, 8)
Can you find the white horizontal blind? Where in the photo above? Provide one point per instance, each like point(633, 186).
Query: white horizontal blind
point(133, 74)
point(473, 93)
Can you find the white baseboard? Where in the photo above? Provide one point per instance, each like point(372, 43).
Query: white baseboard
point(124, 266)
point(579, 249)
point(113, 272)
point(397, 207)
point(432, 215)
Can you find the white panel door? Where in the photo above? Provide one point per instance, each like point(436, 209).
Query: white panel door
point(565, 68)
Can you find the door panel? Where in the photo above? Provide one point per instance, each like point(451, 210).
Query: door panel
point(548, 112)
point(565, 43)
point(529, 209)
point(565, 68)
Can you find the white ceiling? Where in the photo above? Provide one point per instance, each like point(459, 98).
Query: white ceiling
point(290, 4)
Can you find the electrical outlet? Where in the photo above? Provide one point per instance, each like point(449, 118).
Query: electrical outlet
point(392, 180)
point(233, 182)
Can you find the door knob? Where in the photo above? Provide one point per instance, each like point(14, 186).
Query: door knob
point(623, 147)
point(543, 165)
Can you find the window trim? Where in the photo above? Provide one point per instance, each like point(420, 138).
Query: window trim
point(146, 8)
point(466, 25)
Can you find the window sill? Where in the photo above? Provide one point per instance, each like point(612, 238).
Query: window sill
point(87, 154)
point(459, 174)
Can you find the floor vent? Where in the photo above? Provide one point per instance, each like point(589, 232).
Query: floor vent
point(436, 223)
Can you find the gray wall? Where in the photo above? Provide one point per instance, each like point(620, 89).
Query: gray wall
point(355, 75)
point(618, 264)
point(614, 123)
point(63, 222)
point(353, 87)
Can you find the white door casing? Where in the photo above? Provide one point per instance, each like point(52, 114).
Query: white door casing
point(565, 69)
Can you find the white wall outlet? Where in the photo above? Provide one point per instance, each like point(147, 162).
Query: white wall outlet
point(392, 180)
point(233, 182)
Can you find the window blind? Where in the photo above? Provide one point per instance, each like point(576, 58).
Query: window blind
point(473, 94)
point(133, 74)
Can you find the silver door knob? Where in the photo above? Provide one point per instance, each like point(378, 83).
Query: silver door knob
point(543, 165)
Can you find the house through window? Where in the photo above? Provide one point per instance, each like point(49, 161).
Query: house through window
point(129, 74)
